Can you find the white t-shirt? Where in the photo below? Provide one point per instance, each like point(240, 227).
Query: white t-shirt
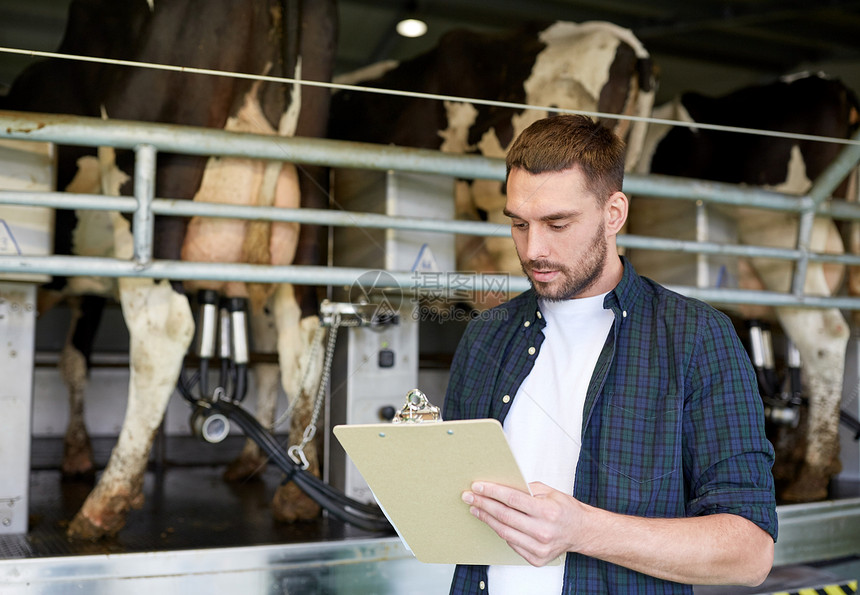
point(544, 424)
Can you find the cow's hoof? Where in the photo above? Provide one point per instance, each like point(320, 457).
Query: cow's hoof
point(103, 517)
point(85, 529)
point(77, 456)
point(290, 504)
point(81, 528)
point(244, 468)
point(78, 465)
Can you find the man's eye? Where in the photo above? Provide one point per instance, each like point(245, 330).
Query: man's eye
point(519, 225)
point(559, 227)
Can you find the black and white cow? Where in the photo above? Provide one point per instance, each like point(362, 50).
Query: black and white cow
point(594, 66)
point(812, 105)
point(291, 38)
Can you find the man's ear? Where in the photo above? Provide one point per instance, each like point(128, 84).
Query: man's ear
point(616, 212)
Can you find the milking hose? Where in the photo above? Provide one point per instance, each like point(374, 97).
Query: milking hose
point(362, 515)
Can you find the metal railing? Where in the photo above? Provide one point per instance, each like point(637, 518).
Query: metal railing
point(146, 140)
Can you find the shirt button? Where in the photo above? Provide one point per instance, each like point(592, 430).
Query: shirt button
point(527, 324)
point(539, 315)
point(506, 399)
point(624, 314)
point(531, 350)
point(481, 585)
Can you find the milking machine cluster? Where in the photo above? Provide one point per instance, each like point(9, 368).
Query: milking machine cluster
point(783, 397)
point(223, 329)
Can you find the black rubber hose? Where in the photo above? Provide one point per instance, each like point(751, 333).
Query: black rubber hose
point(362, 515)
point(241, 383)
point(204, 379)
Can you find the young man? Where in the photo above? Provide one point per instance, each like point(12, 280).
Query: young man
point(633, 411)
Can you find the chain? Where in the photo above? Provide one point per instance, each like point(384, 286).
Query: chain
point(296, 452)
point(316, 343)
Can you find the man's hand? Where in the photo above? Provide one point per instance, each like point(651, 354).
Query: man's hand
point(712, 549)
point(539, 527)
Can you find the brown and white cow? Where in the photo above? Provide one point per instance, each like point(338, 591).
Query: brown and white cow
point(811, 105)
point(256, 37)
point(593, 66)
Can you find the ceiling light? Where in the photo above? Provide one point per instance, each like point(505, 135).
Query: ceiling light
point(411, 28)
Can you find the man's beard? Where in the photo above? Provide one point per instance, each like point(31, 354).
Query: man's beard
point(589, 269)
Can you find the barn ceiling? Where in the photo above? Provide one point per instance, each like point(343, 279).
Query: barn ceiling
point(707, 45)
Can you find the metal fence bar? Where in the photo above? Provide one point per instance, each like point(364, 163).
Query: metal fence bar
point(251, 273)
point(671, 187)
point(372, 220)
point(821, 189)
point(171, 138)
point(95, 132)
point(737, 250)
point(144, 192)
point(200, 141)
point(345, 276)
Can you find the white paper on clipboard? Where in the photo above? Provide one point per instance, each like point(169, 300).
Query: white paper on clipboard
point(418, 472)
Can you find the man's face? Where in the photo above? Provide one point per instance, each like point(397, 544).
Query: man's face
point(559, 232)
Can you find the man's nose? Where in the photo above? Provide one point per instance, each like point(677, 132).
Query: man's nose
point(538, 244)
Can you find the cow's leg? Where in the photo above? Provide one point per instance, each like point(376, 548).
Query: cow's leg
point(821, 337)
point(161, 327)
point(77, 449)
point(295, 337)
point(74, 368)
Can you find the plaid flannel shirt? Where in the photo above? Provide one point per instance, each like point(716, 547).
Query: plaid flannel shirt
point(672, 424)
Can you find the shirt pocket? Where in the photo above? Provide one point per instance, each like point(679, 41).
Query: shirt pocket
point(640, 438)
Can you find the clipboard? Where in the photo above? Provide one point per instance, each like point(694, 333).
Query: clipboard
point(418, 471)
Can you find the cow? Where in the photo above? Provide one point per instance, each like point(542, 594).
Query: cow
point(806, 104)
point(592, 66)
point(293, 38)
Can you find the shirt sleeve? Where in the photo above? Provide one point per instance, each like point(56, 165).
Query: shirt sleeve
point(727, 457)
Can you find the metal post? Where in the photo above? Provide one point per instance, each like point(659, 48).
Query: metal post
point(17, 327)
point(144, 192)
point(821, 189)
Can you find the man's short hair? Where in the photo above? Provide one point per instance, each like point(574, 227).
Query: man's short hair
point(561, 142)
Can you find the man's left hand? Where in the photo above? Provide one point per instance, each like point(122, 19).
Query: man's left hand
point(540, 526)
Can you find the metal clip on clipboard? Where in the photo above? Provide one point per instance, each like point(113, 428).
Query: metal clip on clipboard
point(417, 409)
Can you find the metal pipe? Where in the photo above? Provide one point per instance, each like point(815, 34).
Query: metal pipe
point(144, 192)
point(335, 218)
point(171, 138)
point(822, 188)
point(405, 280)
point(188, 208)
point(201, 141)
point(182, 139)
point(801, 265)
point(826, 183)
point(249, 273)
point(661, 186)
point(727, 297)
point(713, 192)
point(68, 200)
point(713, 248)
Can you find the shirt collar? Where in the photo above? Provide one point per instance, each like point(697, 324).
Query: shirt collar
point(532, 315)
point(621, 299)
point(625, 295)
